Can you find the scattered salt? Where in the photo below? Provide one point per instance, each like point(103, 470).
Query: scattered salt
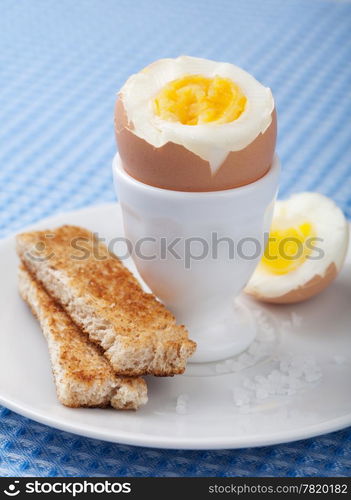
point(182, 403)
point(296, 319)
point(267, 335)
point(257, 312)
point(338, 359)
point(261, 393)
point(244, 358)
point(254, 348)
point(249, 384)
point(293, 374)
point(241, 397)
point(284, 365)
point(313, 375)
point(221, 368)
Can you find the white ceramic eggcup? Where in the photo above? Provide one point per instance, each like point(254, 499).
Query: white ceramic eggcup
point(197, 250)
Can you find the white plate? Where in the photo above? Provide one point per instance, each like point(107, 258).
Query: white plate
point(211, 418)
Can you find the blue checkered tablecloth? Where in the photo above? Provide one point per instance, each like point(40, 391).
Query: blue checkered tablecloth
point(61, 63)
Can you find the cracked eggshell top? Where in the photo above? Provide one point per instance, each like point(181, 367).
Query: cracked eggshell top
point(206, 157)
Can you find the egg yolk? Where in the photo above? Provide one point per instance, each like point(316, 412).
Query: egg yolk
point(196, 99)
point(288, 248)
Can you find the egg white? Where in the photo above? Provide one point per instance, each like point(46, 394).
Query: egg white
point(330, 225)
point(212, 142)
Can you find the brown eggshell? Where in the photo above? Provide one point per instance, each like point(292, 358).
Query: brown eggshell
point(314, 286)
point(174, 167)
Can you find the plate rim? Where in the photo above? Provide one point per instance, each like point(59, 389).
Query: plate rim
point(147, 440)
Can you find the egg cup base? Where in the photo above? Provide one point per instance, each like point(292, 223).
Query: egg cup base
point(224, 331)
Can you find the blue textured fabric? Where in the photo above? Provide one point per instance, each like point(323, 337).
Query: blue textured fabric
point(61, 63)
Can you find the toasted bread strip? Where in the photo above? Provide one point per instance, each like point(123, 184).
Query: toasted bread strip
point(137, 333)
point(83, 376)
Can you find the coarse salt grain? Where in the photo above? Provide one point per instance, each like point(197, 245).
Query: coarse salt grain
point(182, 403)
point(241, 397)
point(296, 319)
point(338, 359)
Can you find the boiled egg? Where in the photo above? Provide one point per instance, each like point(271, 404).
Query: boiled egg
point(305, 250)
point(192, 124)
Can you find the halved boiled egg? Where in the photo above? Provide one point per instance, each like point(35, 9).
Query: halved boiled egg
point(305, 251)
point(193, 124)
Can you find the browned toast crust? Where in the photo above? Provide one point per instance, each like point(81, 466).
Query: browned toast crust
point(137, 333)
point(83, 376)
